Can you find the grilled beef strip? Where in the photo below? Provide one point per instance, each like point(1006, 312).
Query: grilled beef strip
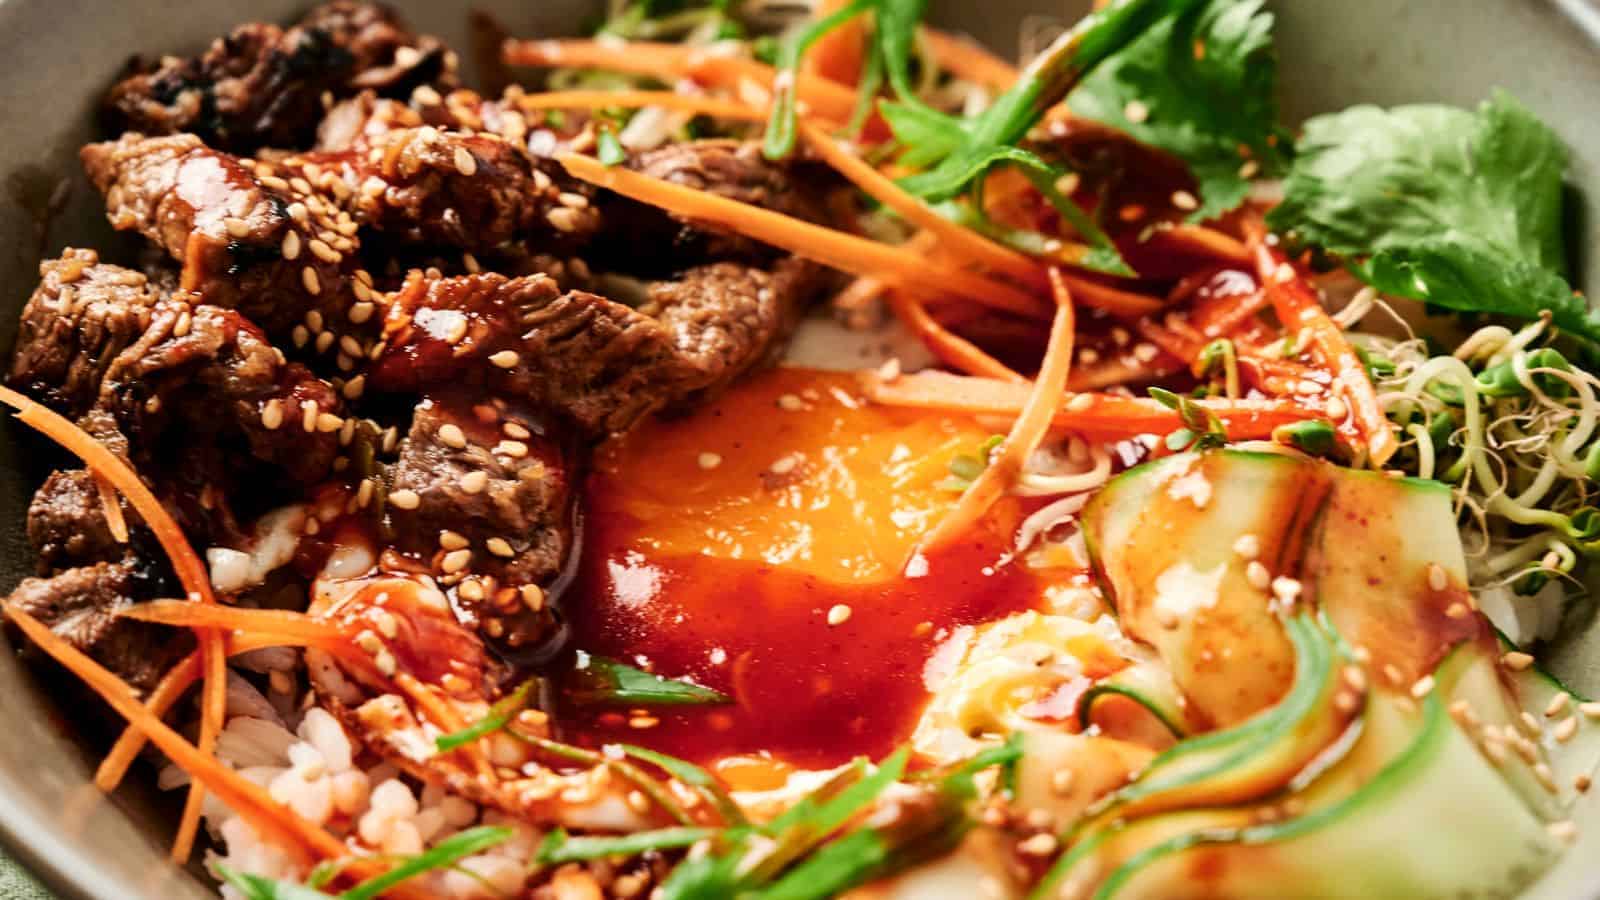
point(484, 491)
point(262, 85)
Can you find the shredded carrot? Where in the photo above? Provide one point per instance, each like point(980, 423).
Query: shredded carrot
point(185, 563)
point(952, 348)
point(973, 247)
point(1030, 427)
point(167, 692)
point(214, 664)
point(111, 508)
point(670, 62)
point(1207, 241)
point(274, 622)
point(859, 294)
point(1299, 309)
point(837, 55)
point(1109, 300)
point(968, 60)
point(445, 717)
point(703, 106)
point(843, 251)
point(1105, 417)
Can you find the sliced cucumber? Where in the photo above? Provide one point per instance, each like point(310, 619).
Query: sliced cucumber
point(1144, 685)
point(1167, 538)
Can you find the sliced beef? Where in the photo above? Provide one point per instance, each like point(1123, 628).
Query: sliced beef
point(66, 522)
point(598, 363)
point(485, 492)
point(211, 377)
point(471, 191)
point(82, 314)
point(80, 605)
point(263, 85)
point(245, 237)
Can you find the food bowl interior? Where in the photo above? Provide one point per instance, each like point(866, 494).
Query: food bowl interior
point(60, 55)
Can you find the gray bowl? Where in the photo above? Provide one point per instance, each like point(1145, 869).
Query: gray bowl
point(58, 55)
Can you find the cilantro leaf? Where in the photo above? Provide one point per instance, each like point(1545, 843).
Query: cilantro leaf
point(1207, 79)
point(1458, 208)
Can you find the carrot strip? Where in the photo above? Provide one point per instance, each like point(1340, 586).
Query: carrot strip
point(1208, 241)
point(214, 666)
point(185, 563)
point(837, 55)
point(704, 106)
point(950, 347)
point(968, 60)
point(1105, 417)
point(275, 622)
point(1298, 309)
point(167, 692)
point(1031, 426)
point(307, 842)
point(444, 717)
point(670, 62)
point(111, 507)
point(1112, 301)
point(847, 252)
point(970, 245)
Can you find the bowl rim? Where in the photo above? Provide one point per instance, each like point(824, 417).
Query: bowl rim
point(38, 847)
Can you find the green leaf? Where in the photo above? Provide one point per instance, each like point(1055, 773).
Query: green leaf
point(440, 855)
point(896, 25)
point(611, 682)
point(779, 140)
point(608, 147)
point(1207, 79)
point(836, 867)
point(254, 887)
point(1457, 208)
point(558, 847)
point(499, 714)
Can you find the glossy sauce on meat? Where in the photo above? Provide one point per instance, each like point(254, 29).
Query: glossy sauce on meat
point(717, 545)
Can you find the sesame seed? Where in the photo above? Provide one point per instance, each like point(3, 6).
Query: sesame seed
point(1437, 579)
point(1283, 274)
point(785, 464)
point(563, 218)
point(272, 414)
point(308, 415)
point(1248, 546)
point(532, 597)
point(1565, 831)
point(500, 547)
point(709, 460)
point(455, 561)
point(1557, 705)
point(470, 589)
point(839, 614)
point(452, 540)
point(1249, 169)
point(890, 370)
point(404, 498)
point(1516, 660)
point(1185, 201)
point(474, 482)
point(1042, 844)
point(1356, 678)
point(321, 250)
point(385, 622)
point(368, 642)
point(273, 182)
point(513, 449)
point(1080, 402)
point(300, 335)
point(643, 722)
point(364, 493)
point(1061, 781)
point(1423, 687)
point(451, 435)
point(1146, 352)
point(466, 163)
point(427, 96)
point(457, 331)
point(384, 660)
point(1456, 610)
point(236, 227)
point(1565, 729)
point(790, 403)
point(355, 387)
point(1546, 777)
point(1257, 575)
point(1590, 709)
point(505, 359)
point(313, 284)
point(1530, 724)
point(1392, 673)
point(1136, 112)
